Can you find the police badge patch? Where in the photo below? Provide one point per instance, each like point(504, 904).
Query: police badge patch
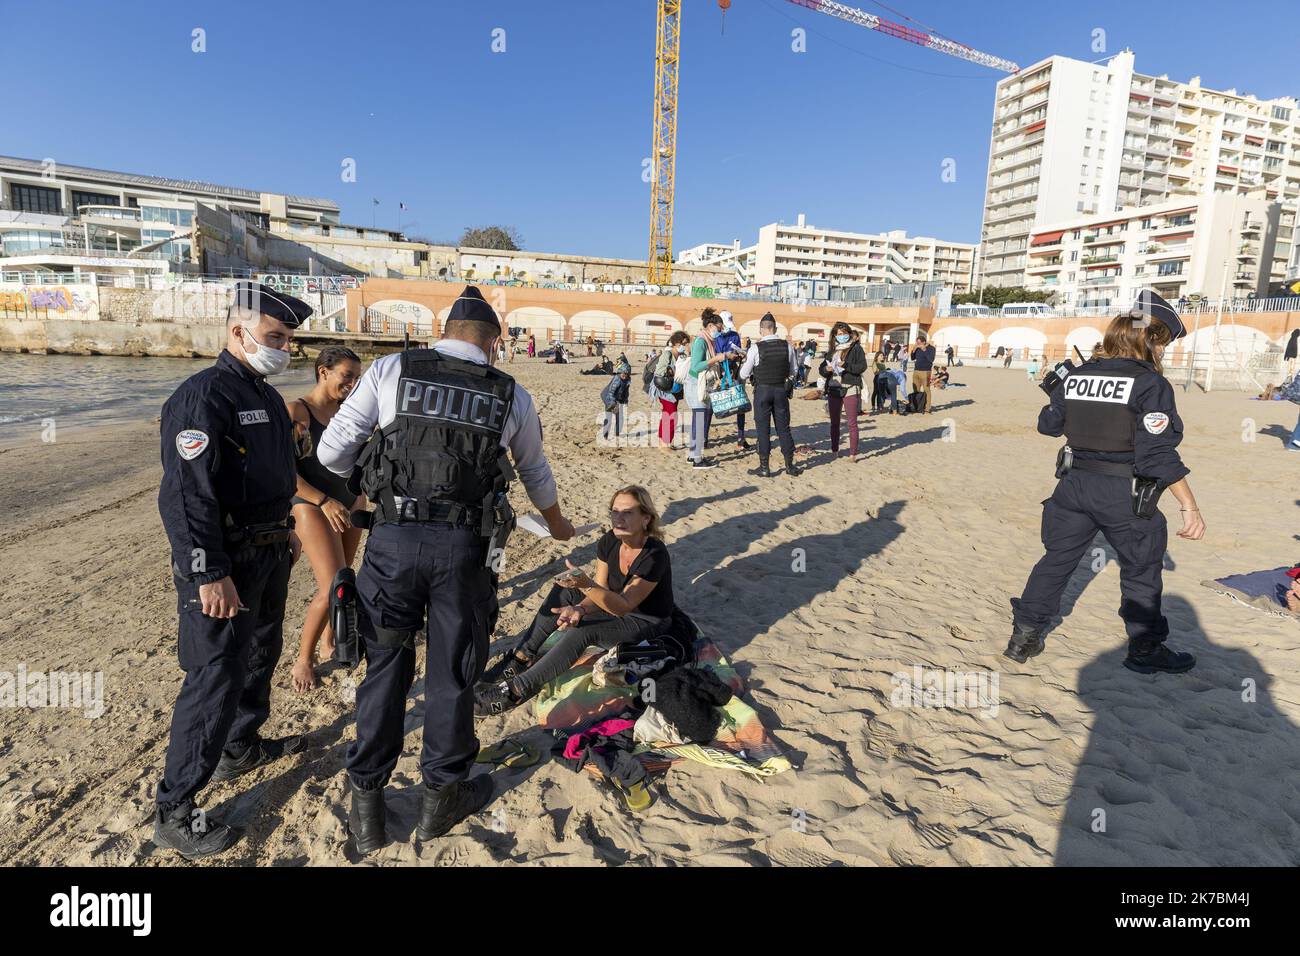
point(190, 443)
point(1155, 422)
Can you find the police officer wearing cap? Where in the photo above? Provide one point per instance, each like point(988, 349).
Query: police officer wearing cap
point(436, 469)
point(1122, 431)
point(228, 474)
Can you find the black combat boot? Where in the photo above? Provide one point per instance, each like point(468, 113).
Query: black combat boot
point(262, 751)
point(1148, 658)
point(792, 469)
point(443, 808)
point(762, 471)
point(1025, 643)
point(191, 833)
point(368, 819)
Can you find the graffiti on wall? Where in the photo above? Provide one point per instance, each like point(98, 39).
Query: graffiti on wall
point(298, 285)
point(65, 302)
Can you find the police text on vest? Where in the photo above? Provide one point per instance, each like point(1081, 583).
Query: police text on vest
point(1098, 388)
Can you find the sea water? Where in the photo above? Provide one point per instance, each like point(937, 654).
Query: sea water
point(76, 391)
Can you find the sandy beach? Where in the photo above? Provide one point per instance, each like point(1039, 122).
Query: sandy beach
point(821, 588)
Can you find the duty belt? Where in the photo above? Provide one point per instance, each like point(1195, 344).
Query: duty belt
point(1120, 469)
point(259, 535)
point(453, 512)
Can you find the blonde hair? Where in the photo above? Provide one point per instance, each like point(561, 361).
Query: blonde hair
point(645, 503)
point(1127, 337)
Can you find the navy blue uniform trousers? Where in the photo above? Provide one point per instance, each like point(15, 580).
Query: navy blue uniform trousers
point(413, 571)
point(228, 663)
point(1083, 504)
point(771, 403)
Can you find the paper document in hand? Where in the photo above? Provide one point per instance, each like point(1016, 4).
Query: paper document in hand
point(535, 524)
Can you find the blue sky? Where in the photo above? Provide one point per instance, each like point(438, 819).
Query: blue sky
point(549, 135)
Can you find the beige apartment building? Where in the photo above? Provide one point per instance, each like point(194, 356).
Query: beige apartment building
point(1216, 245)
point(1073, 139)
point(802, 251)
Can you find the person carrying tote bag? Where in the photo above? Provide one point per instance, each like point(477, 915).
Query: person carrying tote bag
point(702, 378)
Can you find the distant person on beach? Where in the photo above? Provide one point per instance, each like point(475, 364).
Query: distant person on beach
point(615, 397)
point(322, 504)
point(629, 598)
point(1032, 371)
point(228, 473)
point(702, 373)
point(772, 365)
point(948, 351)
point(879, 366)
point(729, 341)
point(438, 472)
point(667, 385)
point(1006, 362)
point(923, 364)
point(1122, 432)
point(1292, 347)
point(532, 346)
point(842, 370)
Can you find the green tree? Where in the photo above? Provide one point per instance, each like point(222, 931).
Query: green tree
point(491, 237)
point(995, 297)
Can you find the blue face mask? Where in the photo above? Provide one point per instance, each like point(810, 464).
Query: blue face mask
point(841, 339)
point(715, 335)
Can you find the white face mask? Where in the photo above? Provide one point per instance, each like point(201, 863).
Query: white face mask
point(266, 360)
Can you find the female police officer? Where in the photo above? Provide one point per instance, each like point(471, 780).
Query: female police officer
point(1122, 430)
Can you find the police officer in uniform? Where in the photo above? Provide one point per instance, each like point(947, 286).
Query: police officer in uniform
point(228, 474)
point(437, 471)
point(771, 363)
point(1122, 431)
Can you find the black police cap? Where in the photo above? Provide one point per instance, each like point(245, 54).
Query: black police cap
point(1150, 307)
point(280, 306)
point(470, 306)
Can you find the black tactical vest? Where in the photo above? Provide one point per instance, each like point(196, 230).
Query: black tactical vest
point(1097, 412)
point(773, 363)
point(443, 447)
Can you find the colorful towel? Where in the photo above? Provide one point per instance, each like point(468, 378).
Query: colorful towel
point(572, 702)
point(1265, 590)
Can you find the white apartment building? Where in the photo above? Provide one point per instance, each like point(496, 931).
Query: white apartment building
point(705, 252)
point(802, 251)
point(1072, 139)
point(1219, 244)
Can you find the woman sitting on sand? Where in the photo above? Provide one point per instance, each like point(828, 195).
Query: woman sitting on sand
point(630, 599)
point(322, 504)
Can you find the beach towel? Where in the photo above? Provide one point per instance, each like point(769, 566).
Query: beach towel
point(1264, 590)
point(572, 702)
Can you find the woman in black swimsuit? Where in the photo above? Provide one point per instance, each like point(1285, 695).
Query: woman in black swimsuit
point(629, 599)
point(322, 506)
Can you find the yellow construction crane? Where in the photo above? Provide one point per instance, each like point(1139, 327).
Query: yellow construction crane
point(663, 157)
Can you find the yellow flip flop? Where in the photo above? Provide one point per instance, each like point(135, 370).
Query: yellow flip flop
point(636, 798)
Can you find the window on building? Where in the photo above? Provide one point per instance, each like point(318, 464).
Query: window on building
point(1103, 136)
point(1083, 170)
point(1079, 206)
point(81, 198)
point(1087, 152)
point(1087, 133)
point(25, 198)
